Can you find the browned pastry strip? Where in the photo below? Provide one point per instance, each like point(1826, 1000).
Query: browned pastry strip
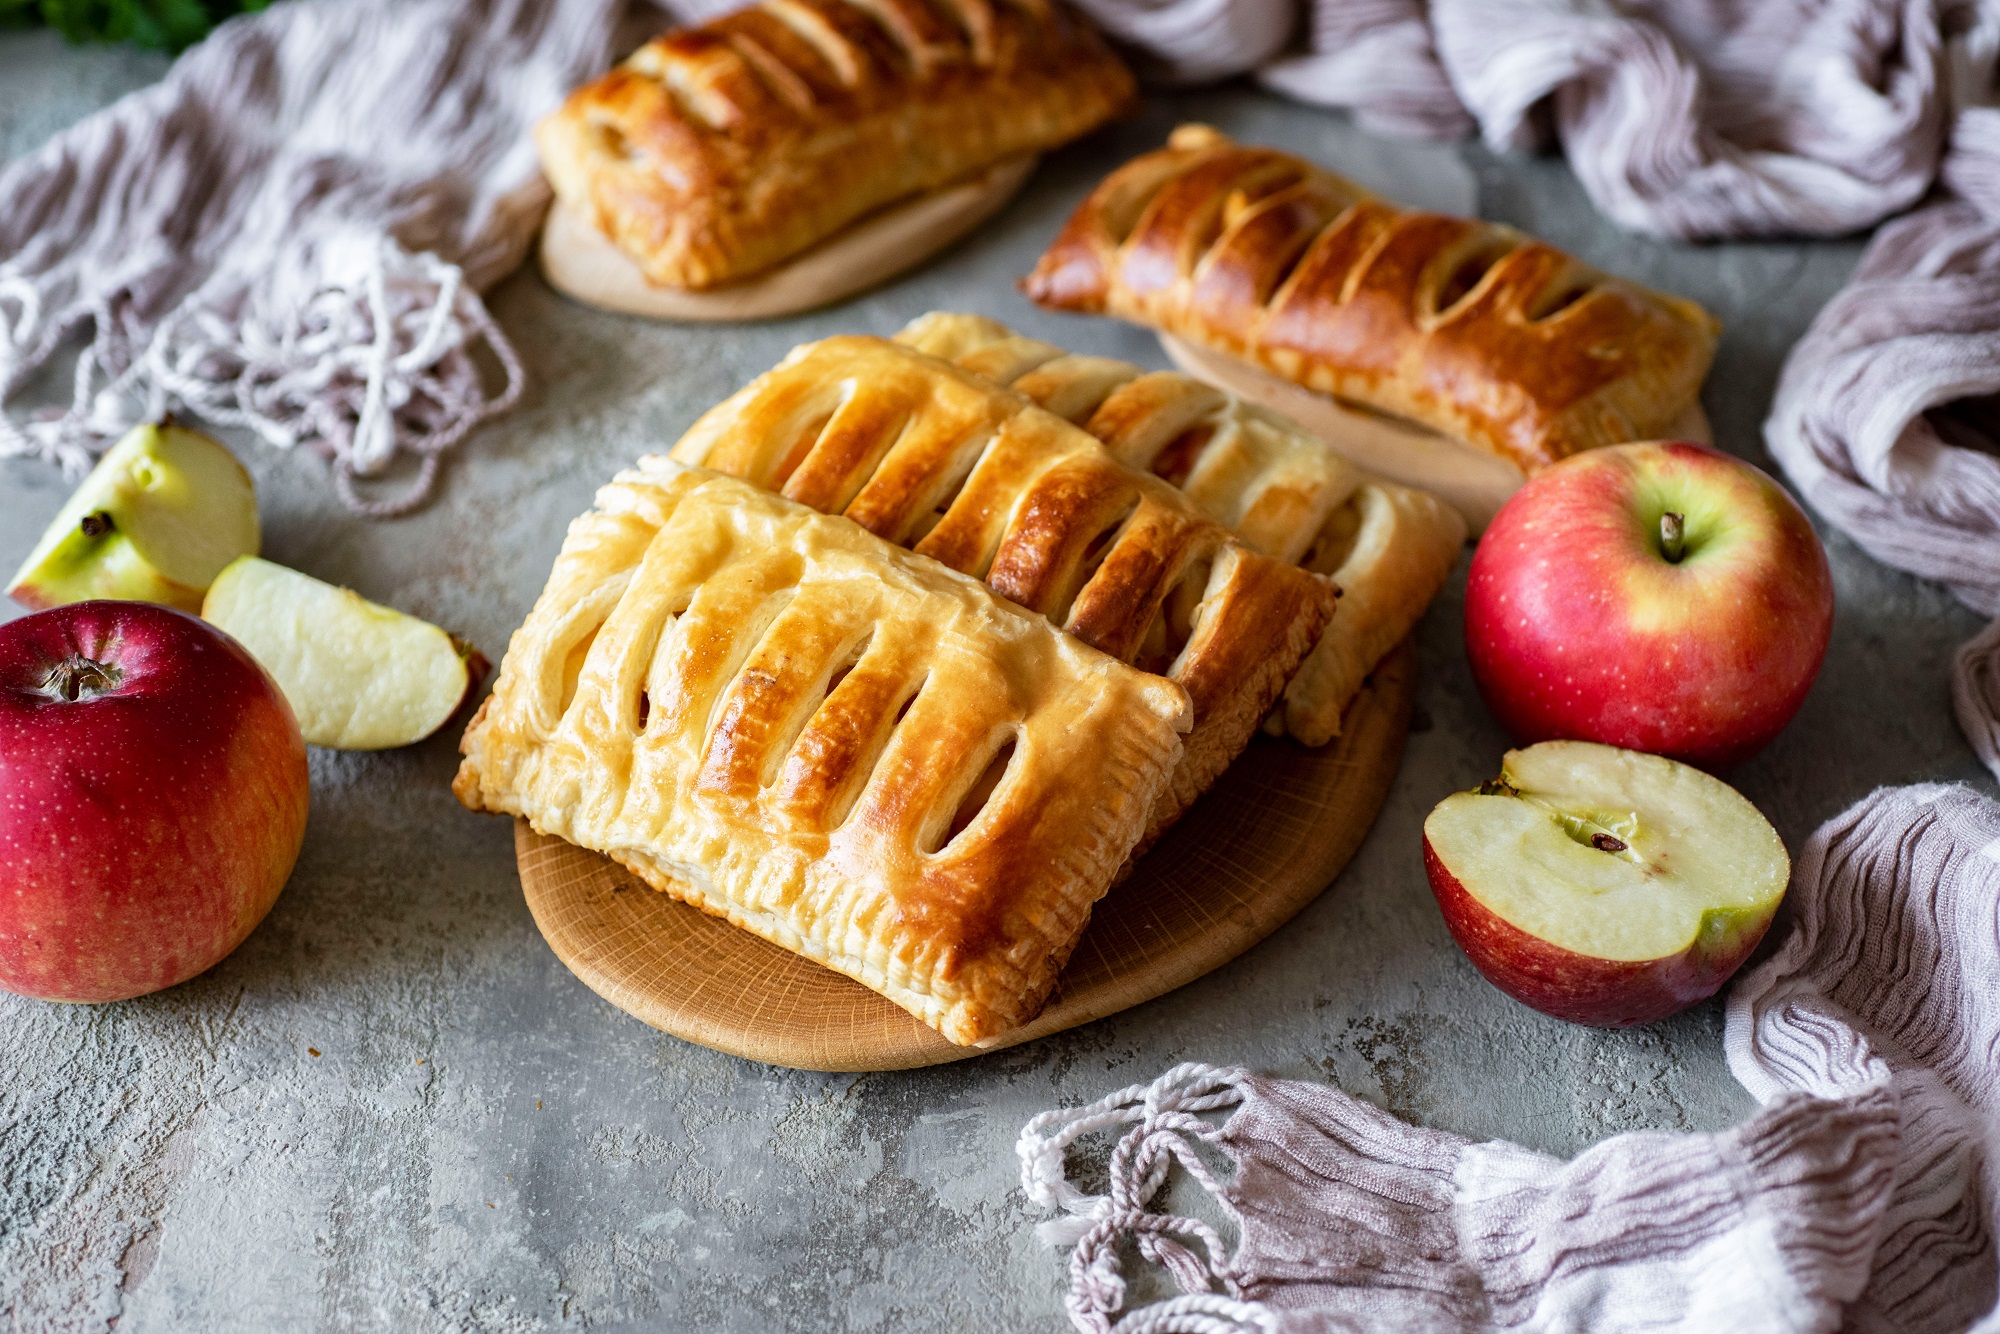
point(716, 152)
point(859, 755)
point(1466, 327)
point(1282, 490)
point(926, 455)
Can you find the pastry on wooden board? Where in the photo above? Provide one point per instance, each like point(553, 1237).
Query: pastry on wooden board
point(581, 262)
point(715, 152)
point(929, 456)
point(846, 748)
point(1468, 328)
point(1282, 490)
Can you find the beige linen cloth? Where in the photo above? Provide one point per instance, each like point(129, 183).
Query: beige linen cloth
point(290, 233)
point(1723, 118)
point(1865, 1196)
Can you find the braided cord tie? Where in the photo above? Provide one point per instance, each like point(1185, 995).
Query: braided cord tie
point(377, 365)
point(1166, 1125)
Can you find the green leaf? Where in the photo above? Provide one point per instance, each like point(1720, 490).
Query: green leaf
point(157, 25)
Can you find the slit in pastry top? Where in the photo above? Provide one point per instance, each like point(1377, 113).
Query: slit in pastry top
point(856, 753)
point(1466, 327)
point(957, 468)
point(715, 152)
point(1280, 489)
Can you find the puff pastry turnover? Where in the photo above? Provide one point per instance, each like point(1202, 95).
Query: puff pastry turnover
point(1467, 327)
point(715, 152)
point(1282, 490)
point(926, 455)
point(848, 749)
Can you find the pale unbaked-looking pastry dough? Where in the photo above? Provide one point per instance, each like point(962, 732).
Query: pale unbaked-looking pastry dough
point(1282, 490)
point(718, 151)
point(927, 455)
point(848, 749)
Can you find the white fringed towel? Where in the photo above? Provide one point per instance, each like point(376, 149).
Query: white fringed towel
point(1887, 415)
point(1864, 1196)
point(1686, 118)
point(291, 231)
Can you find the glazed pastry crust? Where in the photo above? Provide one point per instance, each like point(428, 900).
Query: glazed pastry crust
point(716, 152)
point(1282, 490)
point(926, 455)
point(1467, 327)
point(782, 720)
point(1390, 548)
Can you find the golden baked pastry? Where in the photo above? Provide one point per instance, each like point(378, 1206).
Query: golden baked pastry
point(1282, 490)
point(845, 748)
point(1467, 327)
point(715, 152)
point(926, 455)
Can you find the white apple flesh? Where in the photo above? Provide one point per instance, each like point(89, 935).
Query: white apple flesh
point(360, 676)
point(1604, 886)
point(159, 516)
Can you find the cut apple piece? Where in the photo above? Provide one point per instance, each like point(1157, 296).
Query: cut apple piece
point(360, 676)
point(1604, 886)
point(159, 516)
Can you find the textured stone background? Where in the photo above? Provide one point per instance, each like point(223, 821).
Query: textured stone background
point(484, 1145)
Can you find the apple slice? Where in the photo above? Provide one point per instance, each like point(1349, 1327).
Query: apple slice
point(159, 516)
point(1604, 886)
point(360, 676)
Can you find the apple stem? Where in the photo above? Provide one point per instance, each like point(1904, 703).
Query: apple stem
point(77, 678)
point(1673, 536)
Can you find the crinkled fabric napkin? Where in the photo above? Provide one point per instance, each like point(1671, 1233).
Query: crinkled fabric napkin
point(1688, 118)
point(1887, 416)
point(1716, 118)
point(1864, 1196)
point(290, 231)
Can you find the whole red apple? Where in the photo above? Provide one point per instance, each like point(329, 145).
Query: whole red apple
point(1663, 597)
point(1604, 886)
point(153, 799)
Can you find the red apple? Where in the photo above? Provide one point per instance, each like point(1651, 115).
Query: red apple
point(1603, 886)
point(152, 799)
point(1663, 597)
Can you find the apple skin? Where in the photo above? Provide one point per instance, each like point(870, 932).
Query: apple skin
point(144, 830)
point(163, 497)
point(1602, 993)
point(1579, 627)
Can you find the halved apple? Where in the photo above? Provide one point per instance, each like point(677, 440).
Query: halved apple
point(1604, 886)
point(360, 676)
point(159, 516)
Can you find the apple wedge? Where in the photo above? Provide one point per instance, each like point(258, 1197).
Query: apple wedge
point(360, 676)
point(159, 516)
point(1604, 886)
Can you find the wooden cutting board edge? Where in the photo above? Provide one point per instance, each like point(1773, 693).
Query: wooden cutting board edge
point(702, 980)
point(583, 264)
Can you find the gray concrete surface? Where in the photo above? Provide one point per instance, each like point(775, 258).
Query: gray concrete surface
point(482, 1144)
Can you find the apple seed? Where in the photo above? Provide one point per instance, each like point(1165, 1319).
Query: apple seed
point(1606, 843)
point(97, 524)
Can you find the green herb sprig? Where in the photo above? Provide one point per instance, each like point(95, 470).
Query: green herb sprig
point(156, 25)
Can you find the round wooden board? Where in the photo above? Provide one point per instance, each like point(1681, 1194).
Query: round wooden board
point(1475, 482)
point(580, 261)
point(1259, 846)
